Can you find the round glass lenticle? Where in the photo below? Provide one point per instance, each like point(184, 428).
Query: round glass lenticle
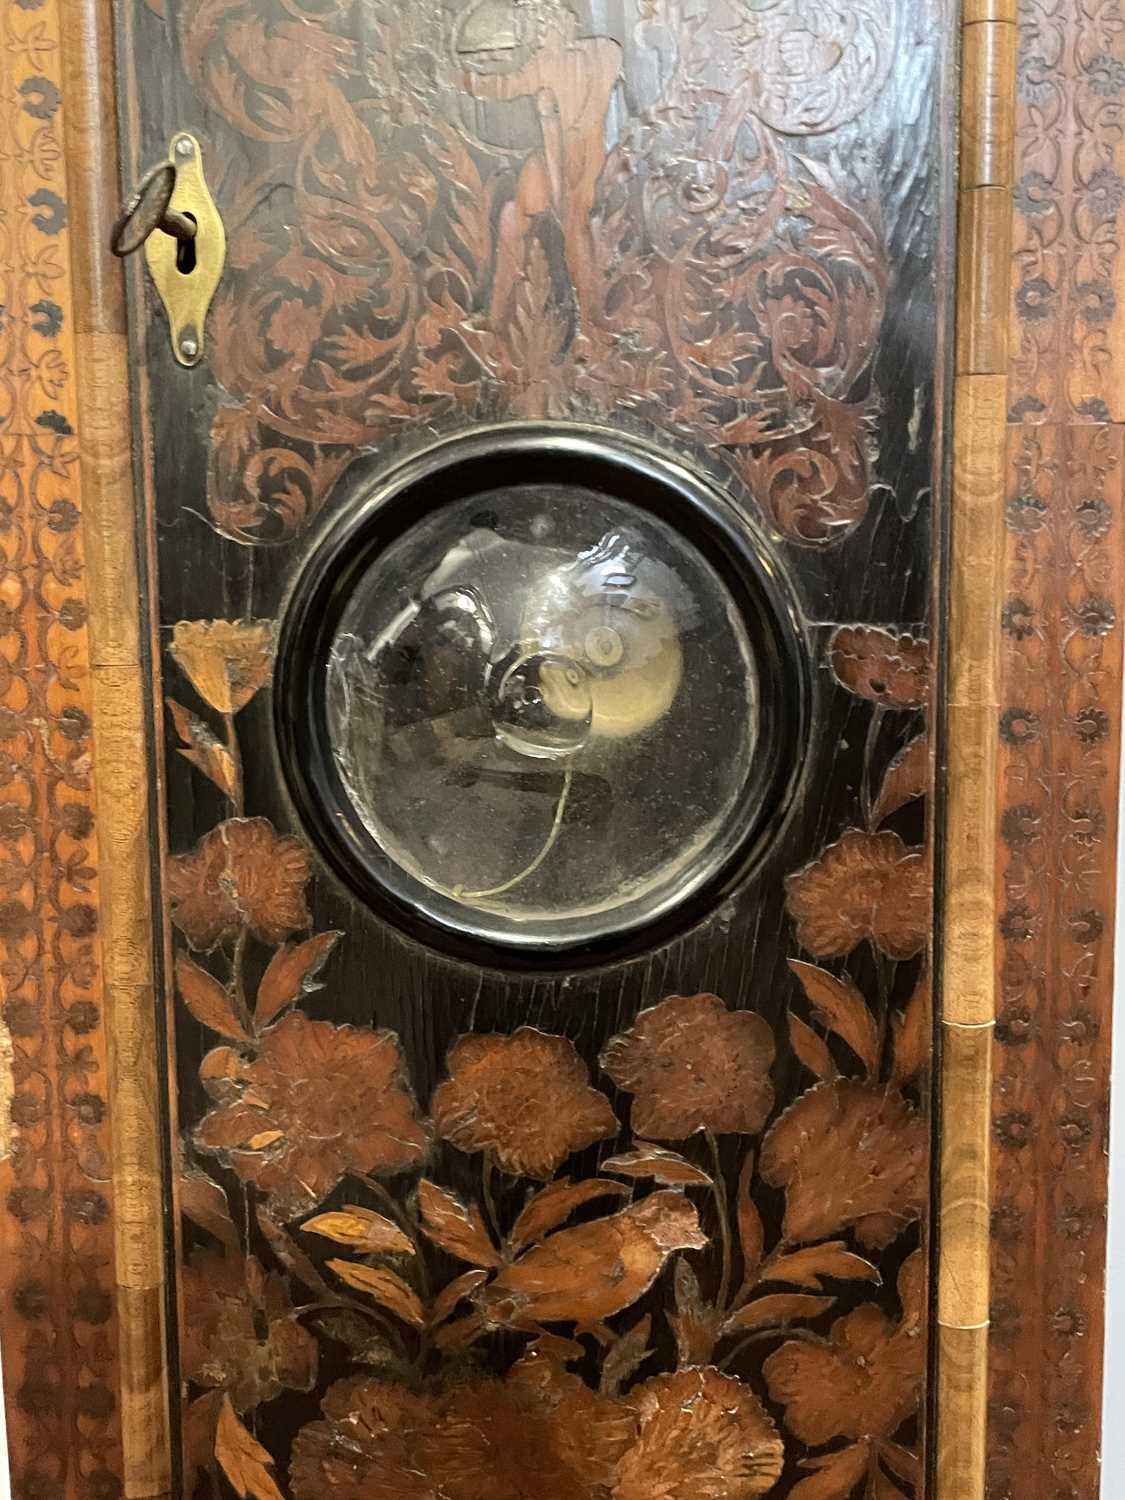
point(543, 705)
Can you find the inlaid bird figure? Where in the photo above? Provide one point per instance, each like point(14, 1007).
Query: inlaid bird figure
point(587, 1274)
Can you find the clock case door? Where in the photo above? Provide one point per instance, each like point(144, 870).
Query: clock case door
point(653, 1213)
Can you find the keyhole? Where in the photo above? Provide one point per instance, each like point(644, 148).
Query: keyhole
point(185, 251)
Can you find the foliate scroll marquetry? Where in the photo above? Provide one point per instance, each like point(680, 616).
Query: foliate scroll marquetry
point(714, 276)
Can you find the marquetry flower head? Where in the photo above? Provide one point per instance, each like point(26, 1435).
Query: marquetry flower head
point(866, 886)
point(889, 669)
point(239, 876)
point(227, 661)
point(525, 1098)
point(866, 1381)
point(316, 1102)
point(376, 1439)
point(543, 1434)
point(848, 1153)
point(239, 1336)
point(691, 1064)
point(540, 1434)
point(701, 1435)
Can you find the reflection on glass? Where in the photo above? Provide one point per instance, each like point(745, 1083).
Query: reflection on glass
point(542, 704)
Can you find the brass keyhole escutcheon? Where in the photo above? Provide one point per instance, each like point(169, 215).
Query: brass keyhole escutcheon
point(174, 219)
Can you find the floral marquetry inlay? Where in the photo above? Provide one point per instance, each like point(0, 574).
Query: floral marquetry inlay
point(1060, 728)
point(653, 1227)
point(57, 1143)
point(504, 1340)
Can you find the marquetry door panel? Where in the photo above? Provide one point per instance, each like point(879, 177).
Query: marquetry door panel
point(472, 1199)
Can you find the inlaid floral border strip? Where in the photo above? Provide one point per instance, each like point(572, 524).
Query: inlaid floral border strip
point(324, 1143)
point(57, 1302)
point(1060, 738)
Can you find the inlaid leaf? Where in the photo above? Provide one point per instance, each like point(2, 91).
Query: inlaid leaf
point(363, 1344)
point(625, 1356)
point(200, 1419)
point(205, 1204)
point(364, 1231)
point(209, 1002)
point(840, 1006)
point(555, 1203)
point(901, 1461)
point(536, 330)
point(293, 971)
point(454, 1227)
point(776, 1312)
point(751, 1235)
point(887, 1488)
point(388, 1289)
point(806, 1267)
point(669, 1167)
point(203, 749)
point(811, 1048)
point(694, 1321)
point(242, 1458)
point(460, 1333)
point(908, 776)
point(447, 1299)
point(912, 1034)
point(291, 1256)
point(836, 1477)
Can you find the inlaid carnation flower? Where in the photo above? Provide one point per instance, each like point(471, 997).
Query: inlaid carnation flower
point(848, 1153)
point(239, 1335)
point(241, 875)
point(316, 1102)
point(525, 1098)
point(866, 1380)
point(691, 1064)
point(890, 669)
point(866, 886)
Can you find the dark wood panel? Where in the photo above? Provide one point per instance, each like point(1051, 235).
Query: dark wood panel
point(636, 218)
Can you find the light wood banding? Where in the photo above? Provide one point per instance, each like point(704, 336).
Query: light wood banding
point(967, 955)
point(988, 63)
point(990, 10)
point(962, 1432)
point(121, 759)
point(984, 248)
